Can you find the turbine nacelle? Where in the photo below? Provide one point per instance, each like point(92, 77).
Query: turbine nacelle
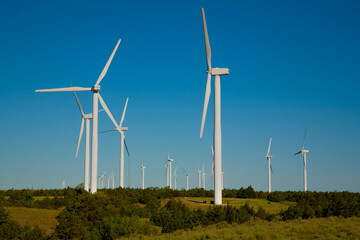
point(269, 156)
point(95, 88)
point(219, 71)
point(88, 116)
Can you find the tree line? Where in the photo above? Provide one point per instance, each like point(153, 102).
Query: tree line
point(110, 214)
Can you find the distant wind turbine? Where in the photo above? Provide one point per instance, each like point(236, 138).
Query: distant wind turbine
point(87, 118)
point(268, 157)
point(199, 172)
point(217, 72)
point(303, 152)
point(96, 98)
point(121, 130)
point(203, 177)
point(187, 180)
point(169, 161)
point(143, 175)
point(63, 186)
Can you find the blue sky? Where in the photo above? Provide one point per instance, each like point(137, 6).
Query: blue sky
point(294, 65)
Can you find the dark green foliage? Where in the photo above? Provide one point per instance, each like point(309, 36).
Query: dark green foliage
point(319, 204)
point(114, 227)
point(262, 214)
point(174, 215)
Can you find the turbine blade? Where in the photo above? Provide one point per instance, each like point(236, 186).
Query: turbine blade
point(184, 170)
point(78, 102)
point(127, 150)
point(113, 130)
point(81, 133)
point(206, 103)
point(212, 151)
point(269, 148)
point(108, 111)
point(271, 168)
point(68, 89)
point(207, 43)
point(102, 75)
point(123, 115)
point(304, 140)
point(298, 153)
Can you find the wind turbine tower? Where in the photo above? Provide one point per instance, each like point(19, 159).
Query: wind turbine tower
point(216, 72)
point(199, 172)
point(203, 177)
point(303, 152)
point(143, 175)
point(87, 118)
point(96, 98)
point(121, 130)
point(187, 180)
point(268, 157)
point(170, 160)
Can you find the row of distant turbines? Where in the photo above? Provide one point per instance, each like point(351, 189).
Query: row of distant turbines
point(217, 151)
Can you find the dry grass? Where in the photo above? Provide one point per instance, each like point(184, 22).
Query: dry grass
point(321, 228)
point(43, 218)
point(271, 207)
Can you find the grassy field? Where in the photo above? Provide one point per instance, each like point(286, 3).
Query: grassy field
point(272, 207)
point(44, 218)
point(320, 228)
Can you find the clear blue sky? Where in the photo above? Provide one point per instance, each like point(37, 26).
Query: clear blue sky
point(294, 66)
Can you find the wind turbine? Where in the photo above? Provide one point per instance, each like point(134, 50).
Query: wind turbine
point(143, 174)
point(113, 179)
point(187, 180)
point(63, 184)
point(96, 98)
point(203, 177)
point(121, 130)
point(169, 161)
point(102, 180)
point(87, 118)
point(199, 172)
point(303, 152)
point(167, 172)
point(175, 176)
point(217, 72)
point(268, 157)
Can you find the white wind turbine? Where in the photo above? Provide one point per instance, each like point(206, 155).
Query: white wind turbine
point(87, 118)
point(268, 157)
point(187, 180)
point(217, 72)
point(169, 161)
point(108, 181)
point(102, 180)
point(113, 179)
point(143, 175)
point(203, 177)
point(96, 97)
point(63, 184)
point(303, 152)
point(121, 130)
point(167, 172)
point(199, 172)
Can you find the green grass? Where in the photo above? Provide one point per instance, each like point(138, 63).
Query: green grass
point(43, 218)
point(271, 207)
point(317, 228)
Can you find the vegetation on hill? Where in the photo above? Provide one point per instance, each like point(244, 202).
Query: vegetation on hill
point(115, 213)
